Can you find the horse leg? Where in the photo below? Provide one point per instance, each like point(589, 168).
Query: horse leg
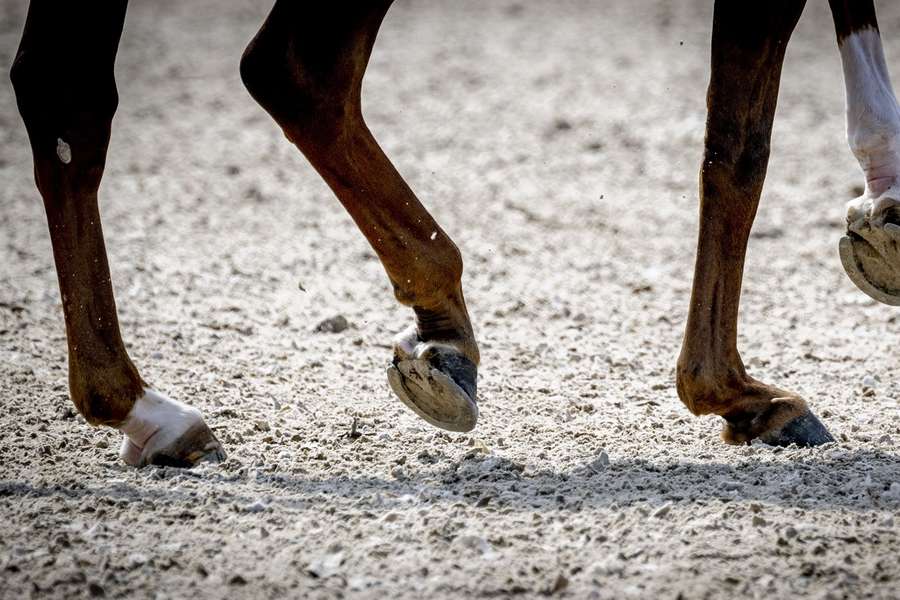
point(748, 45)
point(870, 252)
point(66, 93)
point(305, 68)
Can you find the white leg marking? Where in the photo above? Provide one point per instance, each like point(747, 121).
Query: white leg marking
point(873, 116)
point(154, 422)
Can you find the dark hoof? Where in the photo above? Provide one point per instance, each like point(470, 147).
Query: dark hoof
point(438, 384)
point(194, 446)
point(869, 270)
point(806, 430)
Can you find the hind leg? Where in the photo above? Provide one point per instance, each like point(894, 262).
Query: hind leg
point(66, 93)
point(748, 46)
point(305, 68)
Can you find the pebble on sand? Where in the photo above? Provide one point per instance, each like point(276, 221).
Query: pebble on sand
point(335, 324)
point(256, 506)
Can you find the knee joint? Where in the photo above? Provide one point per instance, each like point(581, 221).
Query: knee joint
point(303, 96)
point(55, 97)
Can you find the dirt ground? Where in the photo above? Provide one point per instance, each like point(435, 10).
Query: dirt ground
point(559, 144)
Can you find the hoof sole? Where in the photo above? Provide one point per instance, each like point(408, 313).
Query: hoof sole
point(434, 394)
point(867, 269)
point(806, 430)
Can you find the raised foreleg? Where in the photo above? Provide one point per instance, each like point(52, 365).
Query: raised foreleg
point(305, 68)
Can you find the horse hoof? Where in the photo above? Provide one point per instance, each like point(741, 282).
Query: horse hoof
point(438, 384)
point(805, 430)
point(868, 270)
point(195, 446)
point(870, 252)
point(164, 432)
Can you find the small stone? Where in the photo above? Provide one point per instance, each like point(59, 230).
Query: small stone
point(257, 506)
point(600, 463)
point(96, 590)
point(237, 580)
point(559, 585)
point(326, 565)
point(893, 492)
point(335, 324)
point(136, 560)
point(102, 444)
point(663, 510)
point(758, 521)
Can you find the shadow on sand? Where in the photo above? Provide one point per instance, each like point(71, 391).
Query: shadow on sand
point(856, 480)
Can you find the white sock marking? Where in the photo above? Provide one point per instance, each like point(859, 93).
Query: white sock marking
point(154, 422)
point(873, 115)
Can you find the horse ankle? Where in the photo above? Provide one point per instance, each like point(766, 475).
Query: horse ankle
point(104, 392)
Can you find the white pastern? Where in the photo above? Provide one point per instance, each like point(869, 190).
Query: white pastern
point(873, 115)
point(154, 422)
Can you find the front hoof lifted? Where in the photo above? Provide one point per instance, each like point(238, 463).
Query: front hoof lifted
point(870, 252)
point(784, 421)
point(436, 381)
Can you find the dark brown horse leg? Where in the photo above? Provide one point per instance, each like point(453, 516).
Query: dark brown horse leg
point(305, 68)
point(748, 45)
point(870, 252)
point(66, 92)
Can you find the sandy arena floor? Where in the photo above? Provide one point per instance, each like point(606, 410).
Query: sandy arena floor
point(559, 144)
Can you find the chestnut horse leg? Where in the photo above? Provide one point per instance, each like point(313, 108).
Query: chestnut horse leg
point(870, 252)
point(305, 68)
point(748, 46)
point(66, 93)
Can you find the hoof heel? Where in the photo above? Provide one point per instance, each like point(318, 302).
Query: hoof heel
point(439, 385)
point(806, 430)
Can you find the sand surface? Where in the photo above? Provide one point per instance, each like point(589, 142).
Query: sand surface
point(558, 143)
